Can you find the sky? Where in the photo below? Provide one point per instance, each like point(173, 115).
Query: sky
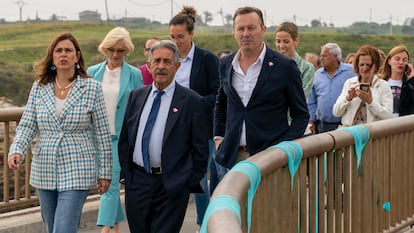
point(339, 13)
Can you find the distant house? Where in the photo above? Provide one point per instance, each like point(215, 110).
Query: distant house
point(89, 16)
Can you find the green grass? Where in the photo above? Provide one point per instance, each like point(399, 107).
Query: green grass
point(22, 44)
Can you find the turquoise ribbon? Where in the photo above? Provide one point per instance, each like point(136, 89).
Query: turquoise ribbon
point(387, 206)
point(219, 203)
point(253, 172)
point(361, 137)
point(294, 153)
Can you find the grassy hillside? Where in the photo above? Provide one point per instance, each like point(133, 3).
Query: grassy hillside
point(21, 44)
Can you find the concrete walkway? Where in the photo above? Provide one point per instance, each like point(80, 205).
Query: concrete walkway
point(189, 225)
point(30, 220)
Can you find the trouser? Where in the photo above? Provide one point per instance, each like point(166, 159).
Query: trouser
point(62, 211)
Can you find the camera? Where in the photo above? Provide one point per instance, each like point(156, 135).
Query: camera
point(364, 86)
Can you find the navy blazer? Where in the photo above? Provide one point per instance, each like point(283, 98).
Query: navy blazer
point(204, 79)
point(278, 90)
point(185, 141)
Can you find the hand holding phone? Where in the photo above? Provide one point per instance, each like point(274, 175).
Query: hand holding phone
point(364, 87)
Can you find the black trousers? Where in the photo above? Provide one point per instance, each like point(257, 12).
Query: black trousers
point(149, 208)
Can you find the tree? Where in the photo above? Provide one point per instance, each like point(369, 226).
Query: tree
point(208, 17)
point(316, 23)
point(228, 18)
point(199, 20)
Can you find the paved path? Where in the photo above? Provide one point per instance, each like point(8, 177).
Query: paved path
point(189, 225)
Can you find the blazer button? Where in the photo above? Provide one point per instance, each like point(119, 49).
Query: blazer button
point(61, 135)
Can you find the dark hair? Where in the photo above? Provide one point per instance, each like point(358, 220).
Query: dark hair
point(42, 67)
point(368, 50)
point(248, 10)
point(185, 17)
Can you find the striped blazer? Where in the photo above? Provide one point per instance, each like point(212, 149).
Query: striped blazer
point(64, 156)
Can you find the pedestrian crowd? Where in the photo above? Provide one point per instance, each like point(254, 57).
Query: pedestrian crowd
point(176, 124)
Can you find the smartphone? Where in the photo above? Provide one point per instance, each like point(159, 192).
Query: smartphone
point(407, 70)
point(364, 86)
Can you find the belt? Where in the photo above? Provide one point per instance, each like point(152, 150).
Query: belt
point(330, 123)
point(153, 170)
point(243, 148)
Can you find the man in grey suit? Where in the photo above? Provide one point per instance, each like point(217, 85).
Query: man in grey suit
point(258, 87)
point(156, 194)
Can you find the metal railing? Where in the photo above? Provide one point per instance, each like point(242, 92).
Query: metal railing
point(330, 194)
point(15, 188)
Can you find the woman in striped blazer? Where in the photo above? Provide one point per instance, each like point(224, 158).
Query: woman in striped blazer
point(66, 110)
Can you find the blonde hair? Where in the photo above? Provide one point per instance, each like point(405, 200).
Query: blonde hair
point(113, 36)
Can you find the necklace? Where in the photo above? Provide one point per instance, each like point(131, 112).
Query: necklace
point(63, 90)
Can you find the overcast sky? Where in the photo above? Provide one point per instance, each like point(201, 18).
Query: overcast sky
point(340, 13)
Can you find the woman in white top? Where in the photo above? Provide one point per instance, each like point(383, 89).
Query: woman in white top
point(358, 106)
point(118, 79)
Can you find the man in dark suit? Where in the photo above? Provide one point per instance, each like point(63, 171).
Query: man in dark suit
point(156, 195)
point(258, 88)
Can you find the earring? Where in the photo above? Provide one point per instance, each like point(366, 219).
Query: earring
point(52, 68)
point(77, 66)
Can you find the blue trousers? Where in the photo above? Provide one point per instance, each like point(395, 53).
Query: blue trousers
point(62, 211)
point(217, 173)
point(110, 207)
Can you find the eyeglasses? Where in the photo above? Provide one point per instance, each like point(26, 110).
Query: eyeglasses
point(119, 51)
point(177, 38)
point(364, 64)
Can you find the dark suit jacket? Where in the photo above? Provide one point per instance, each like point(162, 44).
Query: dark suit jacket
point(185, 141)
point(278, 90)
point(204, 79)
point(407, 97)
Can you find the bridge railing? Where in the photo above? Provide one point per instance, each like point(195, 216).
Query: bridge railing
point(330, 192)
point(15, 190)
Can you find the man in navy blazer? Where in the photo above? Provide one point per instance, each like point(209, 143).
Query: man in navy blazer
point(156, 201)
point(258, 88)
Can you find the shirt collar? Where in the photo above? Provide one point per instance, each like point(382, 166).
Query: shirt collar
point(190, 55)
point(259, 60)
point(169, 90)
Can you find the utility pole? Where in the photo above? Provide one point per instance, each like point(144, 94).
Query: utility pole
point(20, 3)
point(107, 12)
point(370, 15)
point(172, 9)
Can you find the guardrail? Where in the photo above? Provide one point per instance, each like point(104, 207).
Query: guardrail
point(329, 193)
point(15, 188)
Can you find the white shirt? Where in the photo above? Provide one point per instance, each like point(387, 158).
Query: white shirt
point(155, 145)
point(182, 76)
point(59, 105)
point(244, 84)
point(110, 86)
point(396, 86)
